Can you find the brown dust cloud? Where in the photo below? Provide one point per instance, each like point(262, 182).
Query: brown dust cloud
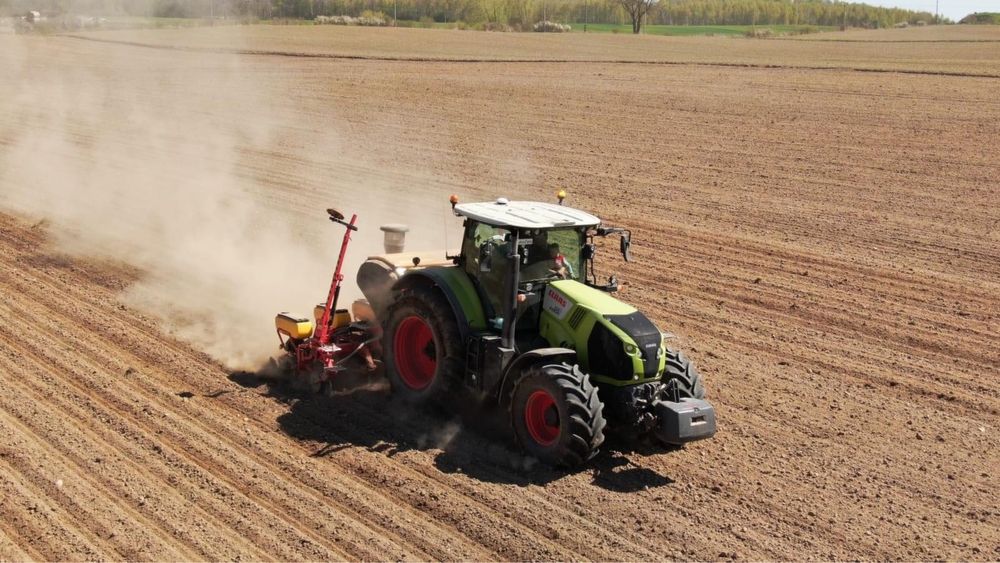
point(209, 184)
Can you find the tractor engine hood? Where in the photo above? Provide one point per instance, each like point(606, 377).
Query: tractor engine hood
point(614, 341)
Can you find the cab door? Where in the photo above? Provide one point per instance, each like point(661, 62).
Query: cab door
point(485, 249)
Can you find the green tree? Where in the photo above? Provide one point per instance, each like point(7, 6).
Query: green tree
point(638, 10)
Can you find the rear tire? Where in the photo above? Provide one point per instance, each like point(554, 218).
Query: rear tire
point(556, 414)
point(422, 347)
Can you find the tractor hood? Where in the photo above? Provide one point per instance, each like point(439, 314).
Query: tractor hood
point(614, 341)
point(581, 294)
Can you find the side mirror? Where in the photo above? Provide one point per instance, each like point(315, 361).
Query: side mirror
point(486, 257)
point(626, 243)
point(588, 252)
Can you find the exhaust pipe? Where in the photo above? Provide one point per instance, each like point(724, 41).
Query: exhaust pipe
point(395, 237)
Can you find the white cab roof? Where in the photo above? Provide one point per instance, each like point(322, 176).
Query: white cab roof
point(526, 214)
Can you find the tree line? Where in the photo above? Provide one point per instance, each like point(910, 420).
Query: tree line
point(514, 13)
point(982, 18)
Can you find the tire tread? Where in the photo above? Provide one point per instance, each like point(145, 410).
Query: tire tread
point(585, 420)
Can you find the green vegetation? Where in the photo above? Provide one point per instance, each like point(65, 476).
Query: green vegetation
point(981, 18)
point(520, 15)
point(681, 30)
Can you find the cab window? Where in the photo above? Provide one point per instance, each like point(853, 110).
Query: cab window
point(481, 240)
point(553, 254)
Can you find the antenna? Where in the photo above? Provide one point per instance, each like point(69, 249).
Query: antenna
point(444, 222)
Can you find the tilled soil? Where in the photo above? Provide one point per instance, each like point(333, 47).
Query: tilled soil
point(825, 243)
point(955, 50)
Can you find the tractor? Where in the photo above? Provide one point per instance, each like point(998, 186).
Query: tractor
point(517, 318)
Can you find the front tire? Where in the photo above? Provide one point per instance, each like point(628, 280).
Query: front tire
point(681, 373)
point(681, 380)
point(556, 415)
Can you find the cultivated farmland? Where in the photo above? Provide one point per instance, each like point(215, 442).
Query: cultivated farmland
point(823, 239)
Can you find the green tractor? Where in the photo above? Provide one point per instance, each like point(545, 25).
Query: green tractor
point(517, 318)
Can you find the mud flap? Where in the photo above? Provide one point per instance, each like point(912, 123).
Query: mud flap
point(684, 421)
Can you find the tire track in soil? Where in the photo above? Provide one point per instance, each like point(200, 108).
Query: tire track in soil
point(32, 519)
point(541, 513)
point(81, 518)
point(477, 60)
point(138, 361)
point(738, 291)
point(233, 481)
point(125, 413)
point(539, 508)
point(97, 330)
point(126, 441)
point(549, 507)
point(9, 551)
point(920, 351)
point(40, 362)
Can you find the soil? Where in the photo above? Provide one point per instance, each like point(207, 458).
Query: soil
point(972, 50)
point(825, 244)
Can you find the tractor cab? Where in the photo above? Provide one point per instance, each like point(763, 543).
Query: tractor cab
point(512, 250)
point(520, 246)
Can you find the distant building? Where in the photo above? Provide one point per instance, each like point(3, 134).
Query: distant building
point(33, 17)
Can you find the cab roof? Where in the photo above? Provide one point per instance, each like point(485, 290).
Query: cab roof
point(526, 214)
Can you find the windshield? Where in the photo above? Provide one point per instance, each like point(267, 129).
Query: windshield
point(552, 254)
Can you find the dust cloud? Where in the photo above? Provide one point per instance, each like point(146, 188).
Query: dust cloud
point(439, 437)
point(198, 171)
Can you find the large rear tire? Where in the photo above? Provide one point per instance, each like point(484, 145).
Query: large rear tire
point(422, 347)
point(556, 414)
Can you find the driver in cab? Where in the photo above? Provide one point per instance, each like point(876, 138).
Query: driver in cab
point(561, 266)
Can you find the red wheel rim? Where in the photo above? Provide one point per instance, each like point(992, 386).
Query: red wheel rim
point(542, 418)
point(416, 356)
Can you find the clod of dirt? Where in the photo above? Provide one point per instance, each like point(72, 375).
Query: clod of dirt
point(185, 394)
point(130, 371)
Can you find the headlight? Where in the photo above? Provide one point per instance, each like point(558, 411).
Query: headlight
point(630, 349)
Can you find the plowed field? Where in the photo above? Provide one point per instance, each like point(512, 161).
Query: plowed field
point(825, 243)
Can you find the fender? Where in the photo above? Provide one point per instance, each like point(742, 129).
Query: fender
point(457, 289)
point(541, 355)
